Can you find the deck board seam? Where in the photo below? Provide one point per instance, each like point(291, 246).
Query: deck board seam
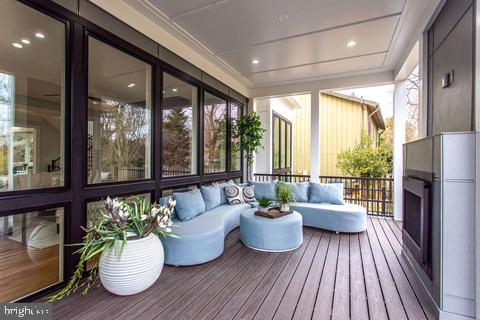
point(321, 277)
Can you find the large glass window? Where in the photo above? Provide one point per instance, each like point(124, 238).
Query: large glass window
point(282, 145)
point(276, 143)
point(235, 113)
point(180, 127)
point(119, 115)
point(215, 134)
point(31, 251)
point(32, 95)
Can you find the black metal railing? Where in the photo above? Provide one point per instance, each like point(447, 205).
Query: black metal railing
point(375, 194)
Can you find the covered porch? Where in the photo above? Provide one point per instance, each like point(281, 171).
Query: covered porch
point(337, 276)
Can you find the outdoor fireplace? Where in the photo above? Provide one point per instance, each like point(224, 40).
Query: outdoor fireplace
point(417, 221)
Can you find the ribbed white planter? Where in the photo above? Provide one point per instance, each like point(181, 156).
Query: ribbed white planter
point(140, 265)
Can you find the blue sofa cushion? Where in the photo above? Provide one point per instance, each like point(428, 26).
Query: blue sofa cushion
point(326, 193)
point(223, 196)
point(211, 196)
point(265, 189)
point(300, 190)
point(189, 204)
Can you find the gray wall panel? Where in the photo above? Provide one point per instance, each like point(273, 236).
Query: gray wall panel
point(105, 20)
point(237, 96)
point(71, 5)
point(179, 63)
point(214, 83)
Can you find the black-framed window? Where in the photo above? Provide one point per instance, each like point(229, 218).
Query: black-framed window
point(281, 145)
point(180, 127)
point(32, 98)
point(235, 152)
point(119, 115)
point(73, 89)
point(214, 134)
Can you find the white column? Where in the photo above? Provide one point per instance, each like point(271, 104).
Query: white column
point(315, 136)
point(399, 119)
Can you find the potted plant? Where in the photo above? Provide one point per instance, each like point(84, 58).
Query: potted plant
point(248, 130)
point(263, 204)
point(126, 238)
point(285, 197)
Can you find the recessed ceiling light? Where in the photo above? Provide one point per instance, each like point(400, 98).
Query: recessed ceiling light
point(39, 35)
point(282, 18)
point(255, 61)
point(163, 91)
point(131, 85)
point(26, 41)
point(174, 89)
point(17, 45)
point(351, 43)
point(95, 102)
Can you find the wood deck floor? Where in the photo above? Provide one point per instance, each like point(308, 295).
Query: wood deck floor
point(330, 276)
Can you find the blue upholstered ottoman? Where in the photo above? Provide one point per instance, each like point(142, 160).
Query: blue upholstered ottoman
point(273, 235)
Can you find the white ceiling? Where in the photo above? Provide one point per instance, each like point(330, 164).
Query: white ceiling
point(309, 44)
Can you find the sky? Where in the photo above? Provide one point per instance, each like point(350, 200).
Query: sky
point(381, 94)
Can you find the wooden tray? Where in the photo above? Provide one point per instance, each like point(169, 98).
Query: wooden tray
point(273, 213)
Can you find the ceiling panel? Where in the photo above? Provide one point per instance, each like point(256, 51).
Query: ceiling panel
point(318, 70)
point(317, 47)
point(238, 23)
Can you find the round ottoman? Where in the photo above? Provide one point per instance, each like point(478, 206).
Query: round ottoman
point(273, 235)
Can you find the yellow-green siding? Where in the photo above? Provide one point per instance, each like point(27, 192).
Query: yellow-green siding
point(341, 123)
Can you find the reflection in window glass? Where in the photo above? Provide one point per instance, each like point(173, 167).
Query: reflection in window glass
point(215, 140)
point(180, 123)
point(236, 154)
point(288, 146)
point(282, 144)
point(119, 117)
point(31, 247)
point(276, 143)
point(32, 73)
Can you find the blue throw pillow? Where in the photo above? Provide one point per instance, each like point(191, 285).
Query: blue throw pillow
point(300, 190)
point(326, 193)
point(223, 197)
point(265, 189)
point(189, 204)
point(211, 196)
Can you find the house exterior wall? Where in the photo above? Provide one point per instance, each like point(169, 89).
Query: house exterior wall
point(341, 124)
point(301, 137)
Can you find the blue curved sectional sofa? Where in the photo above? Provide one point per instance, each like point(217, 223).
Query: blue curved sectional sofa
point(202, 237)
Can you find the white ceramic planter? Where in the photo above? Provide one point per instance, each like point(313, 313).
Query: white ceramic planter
point(285, 208)
point(139, 266)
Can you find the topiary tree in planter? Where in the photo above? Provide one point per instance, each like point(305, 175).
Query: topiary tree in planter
point(248, 130)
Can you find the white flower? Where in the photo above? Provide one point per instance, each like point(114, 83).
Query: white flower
point(172, 203)
point(168, 230)
point(143, 217)
point(154, 211)
point(124, 215)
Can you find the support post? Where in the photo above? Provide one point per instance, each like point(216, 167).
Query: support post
point(399, 119)
point(315, 136)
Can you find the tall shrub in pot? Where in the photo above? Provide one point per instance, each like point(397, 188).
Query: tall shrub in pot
point(248, 129)
point(126, 237)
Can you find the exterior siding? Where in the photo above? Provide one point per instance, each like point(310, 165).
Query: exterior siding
point(301, 136)
point(341, 123)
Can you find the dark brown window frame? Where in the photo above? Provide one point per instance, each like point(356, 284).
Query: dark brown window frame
point(286, 169)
